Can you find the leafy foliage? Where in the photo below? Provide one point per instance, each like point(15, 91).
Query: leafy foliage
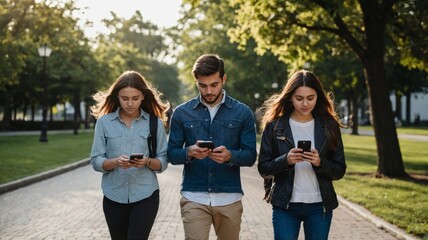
point(203, 29)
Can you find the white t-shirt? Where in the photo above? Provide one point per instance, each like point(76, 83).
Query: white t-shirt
point(306, 188)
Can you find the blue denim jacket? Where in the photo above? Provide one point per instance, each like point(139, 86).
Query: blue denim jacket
point(111, 139)
point(233, 127)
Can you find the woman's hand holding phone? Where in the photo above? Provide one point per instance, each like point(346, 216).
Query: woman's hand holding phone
point(124, 162)
point(312, 157)
point(139, 160)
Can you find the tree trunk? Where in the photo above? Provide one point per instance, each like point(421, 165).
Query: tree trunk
point(7, 114)
point(33, 111)
point(349, 106)
point(51, 113)
point(354, 114)
point(24, 111)
point(76, 103)
point(390, 162)
point(87, 115)
point(408, 107)
point(398, 109)
point(14, 112)
point(65, 112)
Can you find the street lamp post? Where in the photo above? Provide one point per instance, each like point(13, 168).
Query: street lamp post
point(44, 52)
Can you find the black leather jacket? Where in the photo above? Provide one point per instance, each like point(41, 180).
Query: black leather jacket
point(277, 141)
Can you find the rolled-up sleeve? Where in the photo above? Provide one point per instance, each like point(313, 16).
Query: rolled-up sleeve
point(98, 152)
point(162, 147)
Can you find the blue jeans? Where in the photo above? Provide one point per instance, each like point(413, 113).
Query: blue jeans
point(316, 222)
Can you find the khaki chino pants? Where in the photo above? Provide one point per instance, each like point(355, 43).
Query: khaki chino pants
point(197, 220)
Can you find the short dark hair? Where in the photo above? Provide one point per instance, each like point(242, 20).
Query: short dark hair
point(207, 65)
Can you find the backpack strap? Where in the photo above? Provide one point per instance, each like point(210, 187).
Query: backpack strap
point(152, 139)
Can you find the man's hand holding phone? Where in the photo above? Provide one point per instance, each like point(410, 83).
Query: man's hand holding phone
point(205, 144)
point(203, 149)
point(220, 154)
point(200, 149)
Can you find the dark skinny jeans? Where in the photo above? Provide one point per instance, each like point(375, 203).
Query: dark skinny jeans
point(131, 221)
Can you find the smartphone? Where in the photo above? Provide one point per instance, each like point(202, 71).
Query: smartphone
point(136, 155)
point(305, 145)
point(206, 144)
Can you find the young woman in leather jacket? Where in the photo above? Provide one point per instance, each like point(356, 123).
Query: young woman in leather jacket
point(299, 184)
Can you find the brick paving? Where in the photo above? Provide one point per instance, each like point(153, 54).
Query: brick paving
point(68, 206)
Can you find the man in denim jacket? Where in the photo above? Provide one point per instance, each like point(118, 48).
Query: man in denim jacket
point(211, 188)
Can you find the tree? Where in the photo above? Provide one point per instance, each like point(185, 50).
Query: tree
point(28, 25)
point(290, 29)
point(342, 74)
point(202, 30)
point(13, 21)
point(404, 82)
point(139, 45)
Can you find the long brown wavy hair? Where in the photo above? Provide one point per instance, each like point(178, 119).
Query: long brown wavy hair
point(280, 104)
point(108, 101)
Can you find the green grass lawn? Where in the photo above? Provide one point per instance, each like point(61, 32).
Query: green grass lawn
point(404, 130)
point(403, 203)
point(22, 156)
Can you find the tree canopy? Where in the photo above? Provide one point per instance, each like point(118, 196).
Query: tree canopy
point(293, 29)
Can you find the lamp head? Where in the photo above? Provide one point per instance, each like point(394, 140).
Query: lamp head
point(44, 51)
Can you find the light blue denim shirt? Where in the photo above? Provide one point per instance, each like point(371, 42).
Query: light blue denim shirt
point(113, 138)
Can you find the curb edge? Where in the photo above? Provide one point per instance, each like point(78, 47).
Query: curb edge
point(10, 186)
point(377, 221)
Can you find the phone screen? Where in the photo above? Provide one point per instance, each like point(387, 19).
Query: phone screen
point(134, 156)
point(305, 145)
point(206, 144)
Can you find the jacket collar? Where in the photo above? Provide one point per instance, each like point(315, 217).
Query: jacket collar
point(283, 123)
point(227, 101)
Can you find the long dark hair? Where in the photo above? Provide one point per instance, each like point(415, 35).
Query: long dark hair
point(108, 101)
point(280, 104)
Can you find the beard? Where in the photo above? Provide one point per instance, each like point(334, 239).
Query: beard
point(211, 102)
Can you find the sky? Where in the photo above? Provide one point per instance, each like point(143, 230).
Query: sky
point(163, 13)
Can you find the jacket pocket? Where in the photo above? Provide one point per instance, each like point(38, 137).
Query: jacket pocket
point(114, 144)
point(193, 130)
point(230, 129)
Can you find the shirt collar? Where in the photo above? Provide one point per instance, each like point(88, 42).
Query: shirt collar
point(115, 114)
point(224, 100)
point(221, 102)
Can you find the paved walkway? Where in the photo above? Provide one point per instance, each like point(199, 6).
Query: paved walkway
point(68, 206)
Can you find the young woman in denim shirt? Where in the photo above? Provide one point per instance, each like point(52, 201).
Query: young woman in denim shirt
point(130, 187)
point(302, 189)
